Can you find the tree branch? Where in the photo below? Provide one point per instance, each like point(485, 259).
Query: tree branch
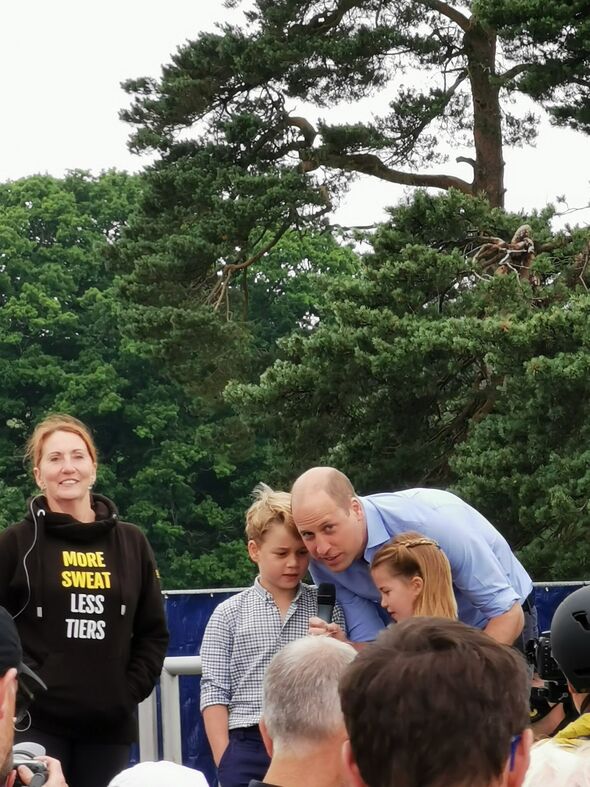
point(466, 160)
point(307, 130)
point(557, 243)
point(370, 164)
point(514, 72)
point(220, 291)
point(351, 227)
point(451, 13)
point(414, 133)
point(324, 21)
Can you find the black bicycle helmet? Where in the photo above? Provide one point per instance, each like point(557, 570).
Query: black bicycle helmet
point(570, 638)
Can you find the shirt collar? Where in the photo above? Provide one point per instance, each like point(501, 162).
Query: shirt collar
point(263, 593)
point(377, 533)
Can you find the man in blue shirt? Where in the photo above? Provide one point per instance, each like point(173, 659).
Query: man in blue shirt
point(342, 531)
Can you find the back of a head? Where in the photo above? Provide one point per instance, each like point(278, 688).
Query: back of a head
point(301, 704)
point(570, 639)
point(158, 774)
point(433, 702)
point(555, 765)
point(11, 655)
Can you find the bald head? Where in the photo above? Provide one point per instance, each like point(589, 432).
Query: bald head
point(329, 516)
point(323, 479)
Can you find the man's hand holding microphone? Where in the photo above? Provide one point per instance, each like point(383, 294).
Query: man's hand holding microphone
point(322, 626)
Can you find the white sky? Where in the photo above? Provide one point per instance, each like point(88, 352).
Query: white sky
point(62, 61)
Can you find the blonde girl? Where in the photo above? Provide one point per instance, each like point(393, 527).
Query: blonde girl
point(413, 575)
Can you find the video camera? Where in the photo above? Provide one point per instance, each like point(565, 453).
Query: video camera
point(539, 655)
point(24, 754)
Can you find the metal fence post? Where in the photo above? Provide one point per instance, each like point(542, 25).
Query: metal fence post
point(174, 666)
point(148, 728)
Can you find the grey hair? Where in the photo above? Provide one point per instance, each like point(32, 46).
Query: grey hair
point(301, 704)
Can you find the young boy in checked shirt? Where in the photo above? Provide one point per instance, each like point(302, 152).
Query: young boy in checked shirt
point(245, 632)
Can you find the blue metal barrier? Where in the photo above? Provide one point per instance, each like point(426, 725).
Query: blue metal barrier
point(188, 613)
point(549, 595)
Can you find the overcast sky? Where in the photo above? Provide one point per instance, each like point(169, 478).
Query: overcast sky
point(62, 61)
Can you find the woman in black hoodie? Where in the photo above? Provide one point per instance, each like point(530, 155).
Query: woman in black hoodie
point(84, 591)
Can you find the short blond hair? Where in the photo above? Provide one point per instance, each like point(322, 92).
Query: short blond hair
point(412, 554)
point(269, 508)
point(57, 422)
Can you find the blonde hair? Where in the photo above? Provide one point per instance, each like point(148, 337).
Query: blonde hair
point(410, 555)
point(269, 508)
point(57, 422)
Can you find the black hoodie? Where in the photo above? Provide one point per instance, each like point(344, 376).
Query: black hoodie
point(87, 604)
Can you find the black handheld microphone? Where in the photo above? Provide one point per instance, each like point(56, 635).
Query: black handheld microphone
point(326, 601)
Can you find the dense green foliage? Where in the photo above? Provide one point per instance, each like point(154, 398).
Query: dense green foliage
point(174, 456)
point(426, 361)
point(553, 40)
point(63, 347)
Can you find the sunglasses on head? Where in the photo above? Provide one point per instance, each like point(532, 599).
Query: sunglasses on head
point(27, 686)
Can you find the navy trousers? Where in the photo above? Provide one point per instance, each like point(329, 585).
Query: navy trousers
point(244, 759)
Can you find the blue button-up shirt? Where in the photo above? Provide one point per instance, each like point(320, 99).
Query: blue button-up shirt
point(487, 577)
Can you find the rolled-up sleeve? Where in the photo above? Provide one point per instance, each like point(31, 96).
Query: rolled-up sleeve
point(216, 652)
point(477, 572)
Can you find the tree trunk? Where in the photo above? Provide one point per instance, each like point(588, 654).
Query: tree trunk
point(480, 49)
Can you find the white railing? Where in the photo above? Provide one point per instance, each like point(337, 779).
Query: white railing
point(174, 667)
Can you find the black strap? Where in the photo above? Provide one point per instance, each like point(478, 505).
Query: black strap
point(529, 602)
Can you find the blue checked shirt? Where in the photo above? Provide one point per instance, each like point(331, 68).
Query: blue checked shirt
point(242, 636)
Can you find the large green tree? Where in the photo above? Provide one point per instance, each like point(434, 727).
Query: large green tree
point(64, 346)
point(176, 458)
point(457, 356)
point(199, 351)
point(550, 43)
point(233, 109)
point(53, 295)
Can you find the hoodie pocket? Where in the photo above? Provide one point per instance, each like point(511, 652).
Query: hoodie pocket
point(87, 690)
